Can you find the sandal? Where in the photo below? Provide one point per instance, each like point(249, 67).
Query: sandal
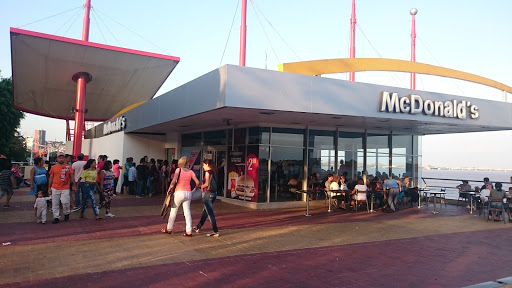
point(214, 234)
point(195, 229)
point(97, 217)
point(187, 235)
point(166, 231)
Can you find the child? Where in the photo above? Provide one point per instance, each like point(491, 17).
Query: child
point(40, 206)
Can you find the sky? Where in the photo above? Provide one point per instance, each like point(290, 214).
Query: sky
point(470, 36)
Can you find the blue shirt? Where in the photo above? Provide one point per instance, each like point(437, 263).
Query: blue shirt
point(132, 174)
point(390, 183)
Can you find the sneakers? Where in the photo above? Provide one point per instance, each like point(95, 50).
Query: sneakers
point(195, 229)
point(7, 206)
point(38, 221)
point(43, 222)
point(213, 234)
point(109, 215)
point(66, 218)
point(75, 209)
point(55, 221)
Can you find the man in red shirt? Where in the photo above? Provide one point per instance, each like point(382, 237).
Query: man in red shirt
point(61, 176)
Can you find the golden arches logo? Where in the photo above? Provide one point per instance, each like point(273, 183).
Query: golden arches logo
point(330, 66)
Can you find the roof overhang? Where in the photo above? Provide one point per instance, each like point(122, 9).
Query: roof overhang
point(43, 66)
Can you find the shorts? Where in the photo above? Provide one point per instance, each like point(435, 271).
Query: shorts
point(7, 191)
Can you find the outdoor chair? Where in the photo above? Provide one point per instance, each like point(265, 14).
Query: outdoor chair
point(360, 200)
point(495, 207)
point(462, 195)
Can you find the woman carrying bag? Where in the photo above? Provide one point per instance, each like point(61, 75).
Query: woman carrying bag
point(209, 195)
point(182, 195)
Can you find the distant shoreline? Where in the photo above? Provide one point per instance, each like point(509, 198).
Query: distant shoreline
point(467, 169)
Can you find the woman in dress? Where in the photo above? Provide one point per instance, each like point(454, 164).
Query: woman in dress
point(209, 197)
point(106, 187)
point(38, 178)
point(182, 195)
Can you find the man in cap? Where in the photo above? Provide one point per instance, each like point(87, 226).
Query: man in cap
point(61, 177)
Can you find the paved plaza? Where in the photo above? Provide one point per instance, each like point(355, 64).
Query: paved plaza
point(257, 248)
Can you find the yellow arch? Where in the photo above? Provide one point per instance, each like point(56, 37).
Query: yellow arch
point(329, 66)
point(128, 108)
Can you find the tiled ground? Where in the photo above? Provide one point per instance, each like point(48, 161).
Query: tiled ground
point(257, 248)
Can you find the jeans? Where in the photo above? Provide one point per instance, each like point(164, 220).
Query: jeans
point(150, 184)
point(392, 198)
point(77, 194)
point(88, 193)
point(208, 199)
point(141, 184)
point(59, 196)
point(181, 197)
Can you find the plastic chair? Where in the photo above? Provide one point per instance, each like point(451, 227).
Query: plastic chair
point(462, 195)
point(360, 201)
point(495, 210)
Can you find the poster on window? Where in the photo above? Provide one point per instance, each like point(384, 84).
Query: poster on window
point(243, 176)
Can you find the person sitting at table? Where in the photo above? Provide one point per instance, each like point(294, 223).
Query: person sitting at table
point(409, 190)
point(496, 197)
point(394, 188)
point(328, 182)
point(293, 184)
point(354, 195)
point(336, 195)
point(464, 187)
point(376, 187)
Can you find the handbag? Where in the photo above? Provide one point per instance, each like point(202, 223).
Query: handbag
point(197, 194)
point(166, 207)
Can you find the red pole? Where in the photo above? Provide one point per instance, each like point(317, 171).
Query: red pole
point(413, 12)
point(353, 22)
point(243, 33)
point(81, 79)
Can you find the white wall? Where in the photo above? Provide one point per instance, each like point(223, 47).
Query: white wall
point(138, 146)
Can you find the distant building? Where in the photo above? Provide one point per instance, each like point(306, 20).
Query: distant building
point(39, 139)
point(29, 141)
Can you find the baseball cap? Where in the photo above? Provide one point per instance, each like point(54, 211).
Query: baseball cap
point(61, 154)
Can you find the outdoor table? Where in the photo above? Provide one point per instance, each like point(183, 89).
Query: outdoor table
point(471, 194)
point(425, 191)
point(435, 193)
point(307, 192)
point(372, 193)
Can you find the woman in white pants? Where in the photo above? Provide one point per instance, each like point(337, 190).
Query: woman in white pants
point(182, 195)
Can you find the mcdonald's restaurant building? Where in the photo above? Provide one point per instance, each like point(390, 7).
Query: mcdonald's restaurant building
point(263, 128)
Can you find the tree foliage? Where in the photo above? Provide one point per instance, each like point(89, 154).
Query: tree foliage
point(10, 118)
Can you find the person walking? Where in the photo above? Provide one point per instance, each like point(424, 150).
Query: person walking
point(88, 184)
point(38, 178)
point(61, 176)
point(106, 187)
point(7, 181)
point(41, 207)
point(209, 195)
point(78, 168)
point(183, 195)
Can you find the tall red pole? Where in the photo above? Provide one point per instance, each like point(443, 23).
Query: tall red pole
point(81, 79)
point(413, 12)
point(243, 33)
point(353, 22)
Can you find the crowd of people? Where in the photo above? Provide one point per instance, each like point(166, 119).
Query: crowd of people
point(487, 195)
point(70, 185)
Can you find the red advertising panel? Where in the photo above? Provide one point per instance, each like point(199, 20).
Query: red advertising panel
point(243, 176)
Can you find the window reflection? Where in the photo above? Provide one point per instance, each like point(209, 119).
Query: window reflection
point(350, 155)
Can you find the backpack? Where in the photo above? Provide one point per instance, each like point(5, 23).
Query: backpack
point(212, 186)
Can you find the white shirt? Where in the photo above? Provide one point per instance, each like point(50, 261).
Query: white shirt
point(484, 193)
point(41, 202)
point(78, 167)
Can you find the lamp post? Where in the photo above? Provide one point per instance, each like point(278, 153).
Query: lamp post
point(413, 13)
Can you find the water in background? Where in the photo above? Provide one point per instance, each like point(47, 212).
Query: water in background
point(475, 178)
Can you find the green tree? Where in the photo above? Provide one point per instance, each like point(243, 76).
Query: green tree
point(10, 117)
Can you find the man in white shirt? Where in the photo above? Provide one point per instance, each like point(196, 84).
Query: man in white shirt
point(78, 168)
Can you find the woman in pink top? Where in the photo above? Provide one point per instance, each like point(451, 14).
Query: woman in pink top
point(183, 195)
point(117, 171)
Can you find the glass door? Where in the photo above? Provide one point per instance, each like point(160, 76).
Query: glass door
point(218, 155)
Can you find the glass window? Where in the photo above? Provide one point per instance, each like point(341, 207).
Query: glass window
point(286, 164)
point(321, 152)
point(239, 135)
point(350, 154)
point(288, 137)
point(215, 137)
point(191, 140)
point(402, 155)
point(263, 173)
point(259, 135)
point(377, 160)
